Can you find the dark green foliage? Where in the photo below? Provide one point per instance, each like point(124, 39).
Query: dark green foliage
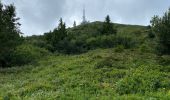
point(57, 38)
point(144, 48)
point(119, 48)
point(163, 60)
point(107, 62)
point(26, 54)
point(110, 62)
point(150, 32)
point(151, 35)
point(88, 37)
point(109, 41)
point(6, 98)
point(161, 27)
point(9, 33)
point(108, 27)
point(62, 33)
point(104, 41)
point(125, 41)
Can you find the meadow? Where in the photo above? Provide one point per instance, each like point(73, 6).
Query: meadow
point(101, 74)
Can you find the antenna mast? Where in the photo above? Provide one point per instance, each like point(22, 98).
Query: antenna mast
point(84, 16)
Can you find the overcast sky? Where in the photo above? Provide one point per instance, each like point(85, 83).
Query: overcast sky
point(39, 16)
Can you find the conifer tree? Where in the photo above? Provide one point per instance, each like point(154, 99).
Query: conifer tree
point(108, 27)
point(161, 28)
point(62, 33)
point(57, 36)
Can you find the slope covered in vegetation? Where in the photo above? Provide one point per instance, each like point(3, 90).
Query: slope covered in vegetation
point(98, 60)
point(115, 73)
point(98, 74)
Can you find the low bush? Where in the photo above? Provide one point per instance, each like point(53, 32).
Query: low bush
point(110, 62)
point(26, 53)
point(92, 43)
point(109, 41)
point(164, 60)
point(162, 49)
point(144, 48)
point(119, 48)
point(151, 35)
point(107, 62)
point(141, 81)
point(126, 41)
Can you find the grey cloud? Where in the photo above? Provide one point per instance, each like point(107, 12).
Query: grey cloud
point(39, 16)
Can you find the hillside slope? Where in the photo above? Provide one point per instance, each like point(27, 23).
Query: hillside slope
point(101, 74)
point(121, 66)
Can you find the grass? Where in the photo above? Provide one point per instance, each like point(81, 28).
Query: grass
point(102, 74)
point(76, 77)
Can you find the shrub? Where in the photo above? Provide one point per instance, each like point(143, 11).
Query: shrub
point(77, 46)
point(151, 35)
point(119, 48)
point(27, 53)
point(107, 62)
point(110, 62)
point(140, 81)
point(164, 60)
point(137, 32)
point(92, 43)
point(160, 27)
point(161, 49)
point(107, 41)
point(126, 41)
point(144, 48)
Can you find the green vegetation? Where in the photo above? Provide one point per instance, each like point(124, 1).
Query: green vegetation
point(160, 27)
point(9, 33)
point(26, 53)
point(108, 27)
point(127, 75)
point(98, 60)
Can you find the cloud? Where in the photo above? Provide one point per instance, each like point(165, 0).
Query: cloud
point(39, 16)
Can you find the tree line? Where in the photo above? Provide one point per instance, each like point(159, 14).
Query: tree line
point(64, 42)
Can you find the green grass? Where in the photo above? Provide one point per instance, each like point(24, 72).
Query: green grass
point(102, 74)
point(77, 77)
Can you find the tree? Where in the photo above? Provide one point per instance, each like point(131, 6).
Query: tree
point(58, 35)
point(62, 33)
point(108, 27)
point(9, 33)
point(161, 28)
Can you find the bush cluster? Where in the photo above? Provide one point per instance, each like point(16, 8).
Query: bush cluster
point(26, 53)
point(141, 81)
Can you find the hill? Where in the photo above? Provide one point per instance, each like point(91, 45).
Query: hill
point(95, 27)
point(126, 69)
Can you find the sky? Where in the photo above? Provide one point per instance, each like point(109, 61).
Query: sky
point(40, 16)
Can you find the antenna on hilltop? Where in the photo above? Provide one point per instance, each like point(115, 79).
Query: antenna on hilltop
point(84, 16)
